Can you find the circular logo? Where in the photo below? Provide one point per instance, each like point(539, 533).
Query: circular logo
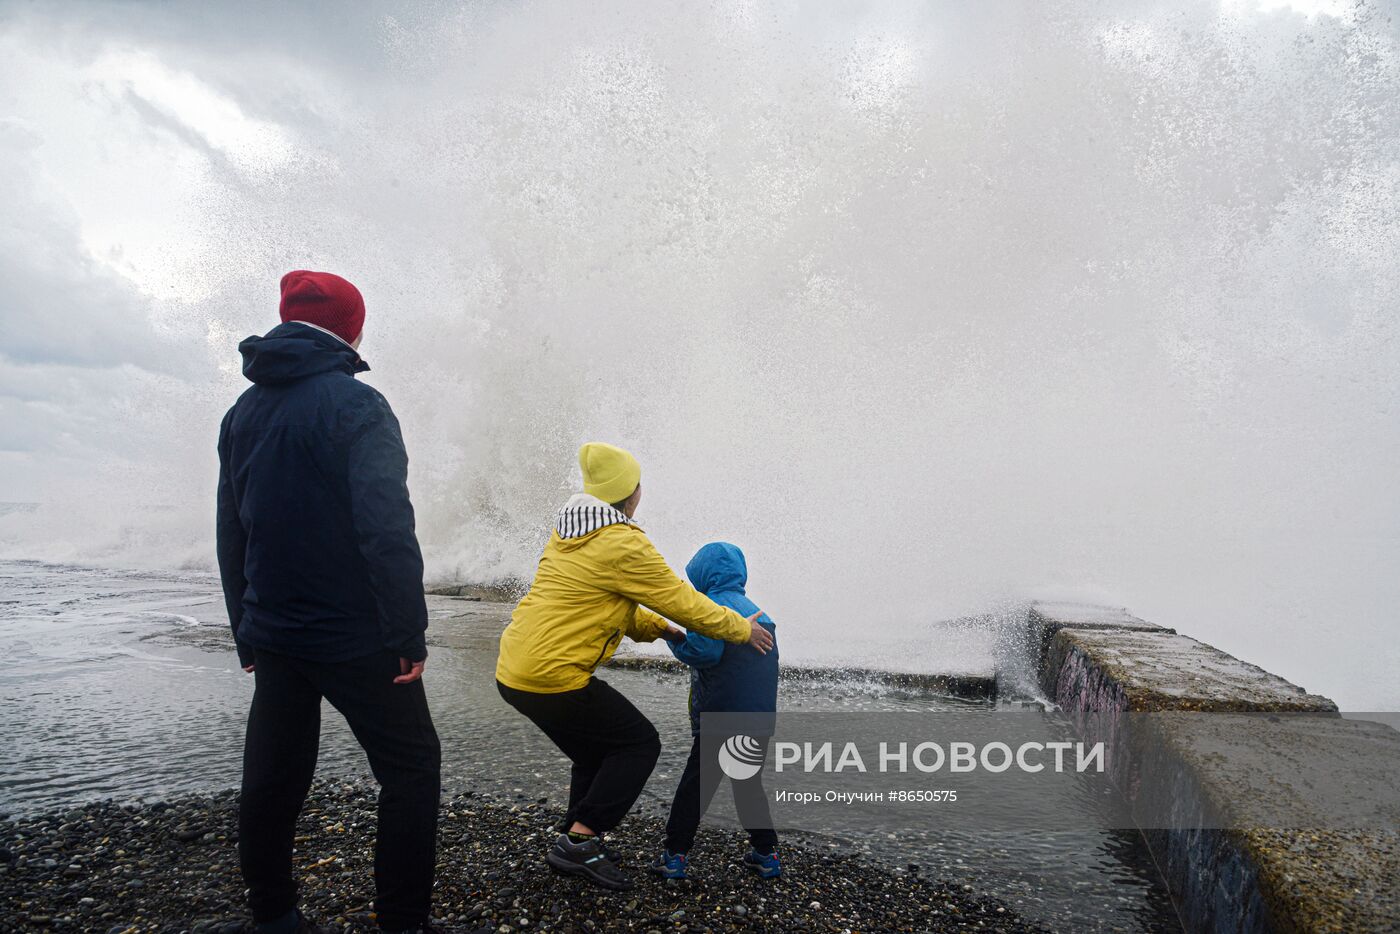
point(741, 757)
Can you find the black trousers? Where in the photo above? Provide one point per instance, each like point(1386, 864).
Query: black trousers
point(392, 723)
point(694, 794)
point(612, 745)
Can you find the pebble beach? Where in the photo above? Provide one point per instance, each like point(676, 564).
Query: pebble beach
point(172, 866)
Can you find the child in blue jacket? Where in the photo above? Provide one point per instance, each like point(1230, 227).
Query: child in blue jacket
point(728, 678)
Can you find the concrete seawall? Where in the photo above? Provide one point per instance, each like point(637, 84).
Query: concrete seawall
point(1100, 665)
point(966, 686)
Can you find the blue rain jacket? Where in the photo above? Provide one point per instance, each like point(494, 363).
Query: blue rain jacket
point(316, 542)
point(727, 677)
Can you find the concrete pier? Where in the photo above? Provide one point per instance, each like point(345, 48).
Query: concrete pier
point(967, 686)
point(1102, 665)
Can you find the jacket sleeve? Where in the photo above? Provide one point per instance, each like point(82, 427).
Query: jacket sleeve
point(383, 521)
point(646, 578)
point(645, 626)
point(698, 651)
point(231, 547)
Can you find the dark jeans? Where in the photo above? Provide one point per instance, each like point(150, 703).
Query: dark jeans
point(392, 723)
point(612, 745)
point(696, 791)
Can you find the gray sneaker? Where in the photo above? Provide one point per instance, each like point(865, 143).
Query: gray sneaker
point(586, 860)
point(563, 825)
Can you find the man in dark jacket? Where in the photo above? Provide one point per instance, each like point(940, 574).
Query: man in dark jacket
point(324, 585)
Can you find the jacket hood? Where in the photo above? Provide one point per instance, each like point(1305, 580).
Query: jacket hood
point(718, 567)
point(585, 514)
point(294, 351)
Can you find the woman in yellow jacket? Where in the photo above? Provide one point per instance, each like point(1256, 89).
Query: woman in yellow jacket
point(596, 574)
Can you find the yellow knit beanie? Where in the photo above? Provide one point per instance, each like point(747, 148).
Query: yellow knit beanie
point(609, 473)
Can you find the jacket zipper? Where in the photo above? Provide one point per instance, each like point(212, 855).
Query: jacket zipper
point(607, 644)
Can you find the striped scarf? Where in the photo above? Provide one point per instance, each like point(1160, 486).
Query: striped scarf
point(584, 514)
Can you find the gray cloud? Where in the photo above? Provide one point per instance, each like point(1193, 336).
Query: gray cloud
point(57, 304)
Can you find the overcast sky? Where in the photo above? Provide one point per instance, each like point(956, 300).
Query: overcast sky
point(146, 156)
point(133, 138)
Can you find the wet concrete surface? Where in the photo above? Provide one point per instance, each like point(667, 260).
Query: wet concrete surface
point(1147, 670)
point(1281, 822)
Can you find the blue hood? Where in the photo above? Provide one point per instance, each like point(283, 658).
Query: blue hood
point(728, 677)
point(718, 567)
point(294, 351)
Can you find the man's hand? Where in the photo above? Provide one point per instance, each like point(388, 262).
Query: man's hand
point(411, 671)
point(759, 637)
point(673, 634)
point(248, 668)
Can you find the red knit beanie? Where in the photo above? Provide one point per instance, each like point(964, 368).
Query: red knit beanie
point(325, 300)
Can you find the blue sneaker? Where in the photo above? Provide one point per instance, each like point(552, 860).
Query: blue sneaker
point(765, 864)
point(669, 865)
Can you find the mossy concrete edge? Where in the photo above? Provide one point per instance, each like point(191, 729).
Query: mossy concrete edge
point(1237, 880)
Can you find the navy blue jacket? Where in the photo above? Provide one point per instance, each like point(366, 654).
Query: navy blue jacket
point(315, 531)
point(727, 677)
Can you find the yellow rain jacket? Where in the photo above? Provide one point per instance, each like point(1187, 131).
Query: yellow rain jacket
point(596, 570)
